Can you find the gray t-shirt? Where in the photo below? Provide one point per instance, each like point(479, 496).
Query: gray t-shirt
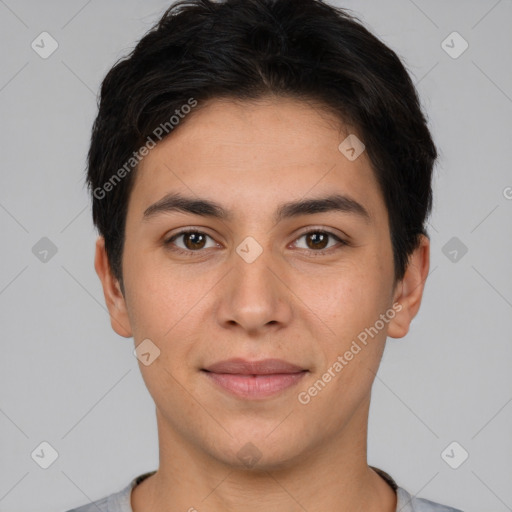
point(120, 501)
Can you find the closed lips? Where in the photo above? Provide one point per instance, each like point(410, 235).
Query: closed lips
point(240, 366)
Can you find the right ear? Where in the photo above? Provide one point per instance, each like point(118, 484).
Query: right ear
point(114, 298)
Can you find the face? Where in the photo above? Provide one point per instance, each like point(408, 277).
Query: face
point(262, 276)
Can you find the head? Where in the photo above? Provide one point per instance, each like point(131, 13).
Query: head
point(236, 120)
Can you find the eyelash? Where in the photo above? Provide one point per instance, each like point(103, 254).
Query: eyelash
point(169, 242)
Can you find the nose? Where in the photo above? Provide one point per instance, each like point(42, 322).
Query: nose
point(254, 296)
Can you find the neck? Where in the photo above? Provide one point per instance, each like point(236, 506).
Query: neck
point(191, 479)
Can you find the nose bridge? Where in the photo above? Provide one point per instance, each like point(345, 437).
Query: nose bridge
point(253, 297)
point(252, 270)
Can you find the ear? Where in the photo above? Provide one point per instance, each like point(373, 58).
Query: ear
point(409, 291)
point(114, 298)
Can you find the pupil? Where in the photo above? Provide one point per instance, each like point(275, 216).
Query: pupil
point(318, 237)
point(192, 237)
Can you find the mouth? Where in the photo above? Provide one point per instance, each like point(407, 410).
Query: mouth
point(254, 379)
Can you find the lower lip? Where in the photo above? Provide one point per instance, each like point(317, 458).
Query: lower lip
point(255, 386)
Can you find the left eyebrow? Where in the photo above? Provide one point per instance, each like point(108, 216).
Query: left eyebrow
point(334, 202)
point(207, 208)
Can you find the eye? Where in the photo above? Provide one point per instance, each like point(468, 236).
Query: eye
point(317, 241)
point(192, 241)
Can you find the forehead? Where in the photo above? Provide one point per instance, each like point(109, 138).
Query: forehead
point(249, 154)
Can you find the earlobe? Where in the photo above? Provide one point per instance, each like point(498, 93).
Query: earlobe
point(114, 298)
point(409, 291)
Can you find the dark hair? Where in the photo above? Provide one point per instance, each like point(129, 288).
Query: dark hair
point(246, 49)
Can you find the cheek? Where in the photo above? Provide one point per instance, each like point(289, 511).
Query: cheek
point(346, 305)
point(169, 309)
point(345, 299)
point(157, 295)
point(153, 299)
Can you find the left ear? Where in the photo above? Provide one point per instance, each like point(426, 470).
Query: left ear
point(409, 291)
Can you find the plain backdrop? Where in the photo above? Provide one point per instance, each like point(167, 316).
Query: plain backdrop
point(68, 380)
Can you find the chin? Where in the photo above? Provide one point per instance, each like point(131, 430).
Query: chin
point(259, 451)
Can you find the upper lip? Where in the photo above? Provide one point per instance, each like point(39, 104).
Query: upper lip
point(243, 367)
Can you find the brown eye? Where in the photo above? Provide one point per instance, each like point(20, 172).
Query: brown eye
point(194, 241)
point(191, 241)
point(319, 241)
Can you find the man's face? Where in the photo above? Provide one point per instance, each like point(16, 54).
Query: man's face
point(255, 285)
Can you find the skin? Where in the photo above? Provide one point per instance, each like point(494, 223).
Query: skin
point(289, 303)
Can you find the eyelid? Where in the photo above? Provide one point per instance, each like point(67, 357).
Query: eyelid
point(168, 241)
point(324, 229)
point(318, 229)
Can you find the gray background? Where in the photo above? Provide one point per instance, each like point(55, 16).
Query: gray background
point(68, 379)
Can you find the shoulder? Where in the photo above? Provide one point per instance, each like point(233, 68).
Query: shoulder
point(408, 503)
point(96, 506)
point(117, 502)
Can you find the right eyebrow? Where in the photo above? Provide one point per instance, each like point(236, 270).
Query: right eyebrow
point(177, 202)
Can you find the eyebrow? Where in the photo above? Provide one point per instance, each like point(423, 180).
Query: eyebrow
point(175, 202)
